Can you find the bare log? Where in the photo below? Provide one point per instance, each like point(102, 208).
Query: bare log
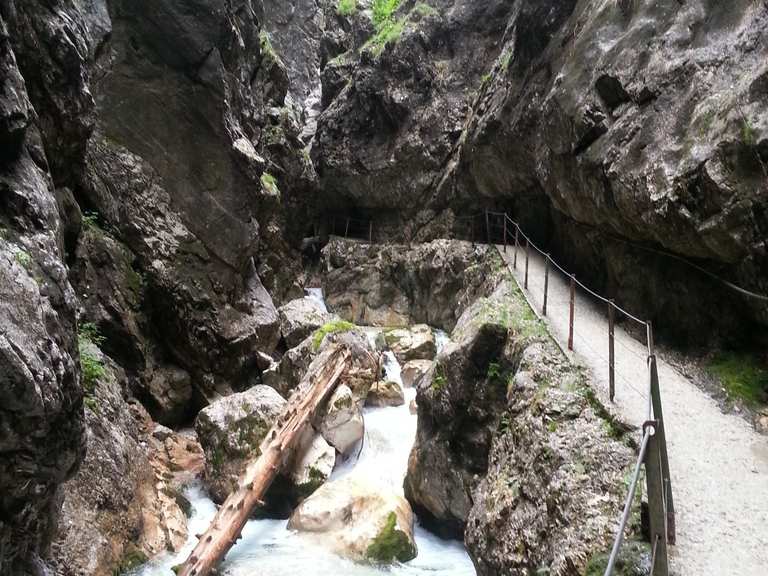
point(276, 449)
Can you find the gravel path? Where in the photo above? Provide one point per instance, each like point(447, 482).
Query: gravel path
point(718, 463)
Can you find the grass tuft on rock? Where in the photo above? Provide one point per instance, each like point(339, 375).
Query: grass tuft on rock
point(383, 11)
point(742, 377)
point(91, 367)
point(333, 327)
point(391, 544)
point(269, 184)
point(346, 7)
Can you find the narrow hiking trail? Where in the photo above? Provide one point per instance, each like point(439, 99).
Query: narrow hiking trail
point(718, 463)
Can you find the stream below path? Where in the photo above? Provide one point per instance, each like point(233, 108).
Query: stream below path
point(268, 548)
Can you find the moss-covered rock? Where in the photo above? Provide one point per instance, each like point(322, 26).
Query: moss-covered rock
point(391, 544)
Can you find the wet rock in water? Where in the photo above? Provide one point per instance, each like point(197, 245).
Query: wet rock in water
point(412, 371)
point(342, 423)
point(313, 463)
point(460, 400)
point(285, 375)
point(761, 421)
point(397, 285)
point(385, 393)
point(414, 343)
point(231, 431)
point(359, 521)
point(300, 318)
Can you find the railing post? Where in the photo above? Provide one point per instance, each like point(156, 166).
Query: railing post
point(649, 338)
point(526, 264)
point(546, 284)
point(346, 229)
point(472, 224)
point(517, 244)
point(657, 513)
point(572, 312)
point(487, 226)
point(611, 353)
point(505, 232)
point(661, 434)
point(370, 231)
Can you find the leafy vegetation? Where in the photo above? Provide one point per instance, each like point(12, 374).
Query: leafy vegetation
point(90, 220)
point(424, 10)
point(391, 544)
point(748, 133)
point(346, 7)
point(91, 366)
point(438, 379)
point(269, 183)
point(330, 328)
point(24, 259)
point(632, 561)
point(742, 376)
point(389, 33)
point(383, 11)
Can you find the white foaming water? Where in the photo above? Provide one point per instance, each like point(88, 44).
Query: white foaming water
point(316, 294)
point(268, 548)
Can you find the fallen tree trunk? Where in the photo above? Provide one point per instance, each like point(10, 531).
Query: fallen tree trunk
point(276, 449)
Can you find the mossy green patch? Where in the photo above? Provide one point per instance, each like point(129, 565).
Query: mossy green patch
point(346, 7)
point(91, 367)
point(389, 33)
point(269, 184)
point(424, 10)
point(132, 558)
point(391, 544)
point(742, 376)
point(383, 11)
point(330, 328)
point(24, 259)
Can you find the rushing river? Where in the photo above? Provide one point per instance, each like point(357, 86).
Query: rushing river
point(268, 548)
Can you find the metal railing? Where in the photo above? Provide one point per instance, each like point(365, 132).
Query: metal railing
point(653, 446)
point(354, 228)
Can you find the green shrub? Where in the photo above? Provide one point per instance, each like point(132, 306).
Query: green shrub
point(390, 32)
point(91, 367)
point(330, 328)
point(90, 220)
point(346, 7)
point(383, 11)
point(269, 183)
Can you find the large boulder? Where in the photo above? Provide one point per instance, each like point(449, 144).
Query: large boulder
point(313, 463)
point(385, 393)
point(397, 286)
point(286, 374)
point(412, 372)
point(414, 343)
point(342, 422)
point(231, 431)
point(460, 401)
point(300, 318)
point(359, 521)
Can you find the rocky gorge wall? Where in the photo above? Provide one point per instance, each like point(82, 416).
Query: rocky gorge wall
point(147, 157)
point(160, 163)
point(613, 131)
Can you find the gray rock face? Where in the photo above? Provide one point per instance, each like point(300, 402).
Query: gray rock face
point(658, 144)
point(392, 285)
point(554, 485)
point(414, 343)
point(41, 420)
point(342, 423)
point(231, 431)
point(385, 394)
point(459, 406)
point(508, 445)
point(300, 318)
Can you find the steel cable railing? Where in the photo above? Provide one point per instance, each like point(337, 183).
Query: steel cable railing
point(653, 450)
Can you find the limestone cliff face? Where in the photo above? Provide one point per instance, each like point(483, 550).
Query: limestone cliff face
point(149, 152)
point(610, 129)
